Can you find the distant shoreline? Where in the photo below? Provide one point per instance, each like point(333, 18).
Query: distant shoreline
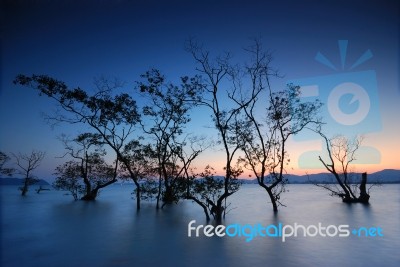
point(387, 176)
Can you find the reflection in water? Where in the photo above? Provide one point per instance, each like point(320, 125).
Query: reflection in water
point(51, 230)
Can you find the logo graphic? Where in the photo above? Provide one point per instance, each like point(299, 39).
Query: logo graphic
point(359, 94)
point(351, 104)
point(280, 231)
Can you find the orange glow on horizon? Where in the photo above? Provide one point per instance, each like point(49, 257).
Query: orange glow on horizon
point(387, 143)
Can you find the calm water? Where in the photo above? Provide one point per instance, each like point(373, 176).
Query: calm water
point(50, 229)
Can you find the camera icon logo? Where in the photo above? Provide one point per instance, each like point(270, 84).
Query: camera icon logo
point(359, 94)
point(351, 104)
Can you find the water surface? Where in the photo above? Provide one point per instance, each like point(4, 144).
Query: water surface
point(50, 229)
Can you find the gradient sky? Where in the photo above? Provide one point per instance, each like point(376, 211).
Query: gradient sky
point(76, 41)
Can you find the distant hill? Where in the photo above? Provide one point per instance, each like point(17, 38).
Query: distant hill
point(18, 181)
point(384, 176)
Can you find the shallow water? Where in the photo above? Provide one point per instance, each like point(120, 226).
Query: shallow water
point(49, 229)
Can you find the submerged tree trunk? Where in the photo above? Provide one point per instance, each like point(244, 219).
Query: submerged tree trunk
point(138, 190)
point(201, 204)
point(27, 182)
point(364, 196)
point(168, 195)
point(271, 197)
point(159, 191)
point(41, 189)
point(91, 195)
point(346, 197)
point(218, 210)
point(24, 189)
point(138, 198)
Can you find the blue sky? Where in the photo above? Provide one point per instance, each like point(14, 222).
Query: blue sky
point(75, 42)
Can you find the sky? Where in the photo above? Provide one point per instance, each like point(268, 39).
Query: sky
point(77, 41)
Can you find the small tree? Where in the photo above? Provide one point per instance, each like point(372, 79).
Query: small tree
point(113, 116)
point(142, 160)
point(167, 113)
point(217, 74)
point(27, 163)
point(266, 126)
point(69, 178)
point(88, 167)
point(264, 140)
point(341, 153)
point(205, 189)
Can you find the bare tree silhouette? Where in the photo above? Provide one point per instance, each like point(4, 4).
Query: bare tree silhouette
point(27, 163)
point(215, 73)
point(167, 113)
point(342, 152)
point(263, 138)
point(88, 166)
point(113, 116)
point(142, 160)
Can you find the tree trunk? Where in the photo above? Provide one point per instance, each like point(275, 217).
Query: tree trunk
point(364, 196)
point(24, 189)
point(138, 193)
point(138, 198)
point(27, 182)
point(41, 189)
point(91, 195)
point(201, 204)
point(168, 196)
point(218, 210)
point(272, 198)
point(270, 194)
point(159, 191)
